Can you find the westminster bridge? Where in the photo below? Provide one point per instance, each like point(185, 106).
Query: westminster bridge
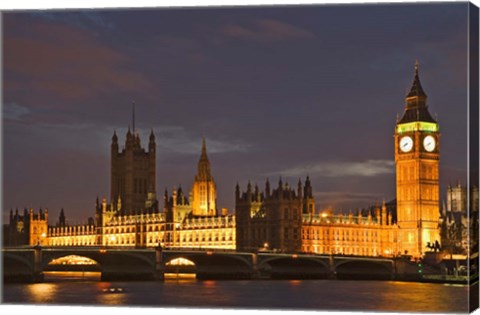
point(29, 264)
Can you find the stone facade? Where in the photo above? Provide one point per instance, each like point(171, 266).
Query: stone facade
point(417, 173)
point(132, 186)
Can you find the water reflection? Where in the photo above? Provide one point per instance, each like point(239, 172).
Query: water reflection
point(275, 295)
point(111, 294)
point(42, 292)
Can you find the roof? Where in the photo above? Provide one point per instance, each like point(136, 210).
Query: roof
point(416, 108)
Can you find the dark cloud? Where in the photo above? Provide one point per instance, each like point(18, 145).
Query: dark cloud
point(266, 30)
point(65, 62)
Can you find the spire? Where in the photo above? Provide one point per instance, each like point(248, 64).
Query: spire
point(133, 116)
point(237, 192)
point(204, 149)
point(267, 188)
point(416, 90)
point(114, 137)
point(204, 164)
point(152, 136)
point(416, 108)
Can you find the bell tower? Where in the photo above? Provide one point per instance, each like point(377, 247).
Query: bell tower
point(417, 158)
point(204, 192)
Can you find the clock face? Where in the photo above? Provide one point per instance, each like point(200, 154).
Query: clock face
point(429, 143)
point(406, 144)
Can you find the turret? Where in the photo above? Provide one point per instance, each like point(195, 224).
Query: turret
point(307, 192)
point(237, 192)
point(151, 142)
point(119, 204)
point(61, 219)
point(299, 188)
point(249, 191)
point(384, 213)
point(267, 189)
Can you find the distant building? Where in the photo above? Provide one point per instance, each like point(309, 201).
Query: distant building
point(459, 221)
point(269, 219)
point(204, 193)
point(180, 224)
point(133, 174)
point(27, 229)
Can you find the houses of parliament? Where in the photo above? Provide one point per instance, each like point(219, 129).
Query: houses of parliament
point(276, 216)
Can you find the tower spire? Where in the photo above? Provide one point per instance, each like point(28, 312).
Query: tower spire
point(204, 163)
point(133, 116)
point(416, 108)
point(416, 90)
point(204, 149)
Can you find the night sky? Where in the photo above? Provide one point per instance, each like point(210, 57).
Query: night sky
point(277, 91)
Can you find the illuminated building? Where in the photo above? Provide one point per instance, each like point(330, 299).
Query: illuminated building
point(352, 234)
point(417, 156)
point(132, 186)
point(459, 220)
point(277, 221)
point(177, 226)
point(280, 219)
point(29, 228)
point(274, 220)
point(270, 219)
point(204, 194)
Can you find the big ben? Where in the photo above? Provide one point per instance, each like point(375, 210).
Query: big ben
point(417, 159)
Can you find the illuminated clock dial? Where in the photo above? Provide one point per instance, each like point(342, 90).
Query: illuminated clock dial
point(429, 143)
point(406, 144)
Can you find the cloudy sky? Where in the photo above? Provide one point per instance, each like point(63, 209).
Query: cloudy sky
point(277, 91)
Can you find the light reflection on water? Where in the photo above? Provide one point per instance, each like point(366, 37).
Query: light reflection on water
point(279, 294)
point(42, 293)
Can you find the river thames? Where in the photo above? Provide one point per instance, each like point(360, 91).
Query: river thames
point(335, 295)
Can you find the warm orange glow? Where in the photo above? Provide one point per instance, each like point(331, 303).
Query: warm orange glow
point(180, 262)
point(73, 260)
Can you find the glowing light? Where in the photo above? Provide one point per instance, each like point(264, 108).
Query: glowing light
point(180, 262)
point(417, 126)
point(73, 260)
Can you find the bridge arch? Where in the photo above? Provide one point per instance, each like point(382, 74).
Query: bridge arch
point(364, 270)
point(17, 262)
point(205, 258)
point(102, 257)
point(211, 265)
point(294, 267)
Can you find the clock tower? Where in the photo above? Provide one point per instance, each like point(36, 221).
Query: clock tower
point(417, 157)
